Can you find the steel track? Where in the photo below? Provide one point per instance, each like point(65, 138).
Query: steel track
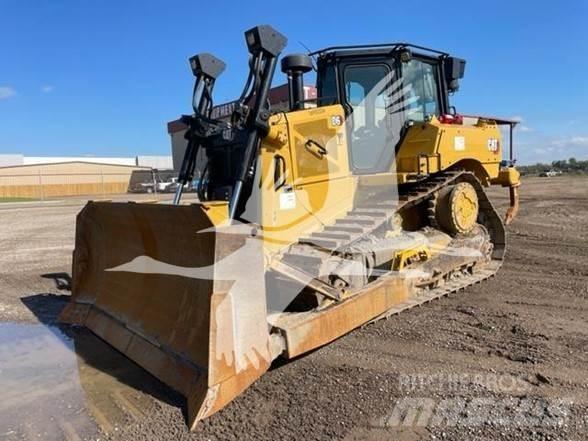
point(309, 253)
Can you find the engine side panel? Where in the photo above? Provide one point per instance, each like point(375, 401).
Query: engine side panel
point(431, 147)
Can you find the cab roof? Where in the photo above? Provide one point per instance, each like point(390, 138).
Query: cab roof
point(376, 49)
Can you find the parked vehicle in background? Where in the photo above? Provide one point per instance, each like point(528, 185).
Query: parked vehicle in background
point(152, 181)
point(147, 187)
point(166, 186)
point(142, 181)
point(172, 185)
point(550, 174)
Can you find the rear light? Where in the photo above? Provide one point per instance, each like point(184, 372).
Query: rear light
point(451, 119)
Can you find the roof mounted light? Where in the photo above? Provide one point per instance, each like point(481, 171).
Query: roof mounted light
point(206, 65)
point(265, 38)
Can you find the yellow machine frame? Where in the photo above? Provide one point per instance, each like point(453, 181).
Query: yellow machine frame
point(318, 188)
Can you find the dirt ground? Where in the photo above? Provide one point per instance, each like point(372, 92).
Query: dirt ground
point(516, 346)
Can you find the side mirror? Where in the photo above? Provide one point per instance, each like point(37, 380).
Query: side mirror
point(405, 55)
point(454, 71)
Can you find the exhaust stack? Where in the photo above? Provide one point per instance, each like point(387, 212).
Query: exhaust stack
point(295, 66)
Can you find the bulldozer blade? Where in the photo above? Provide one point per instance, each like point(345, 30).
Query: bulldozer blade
point(157, 282)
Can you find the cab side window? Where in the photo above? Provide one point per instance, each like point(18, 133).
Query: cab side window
point(421, 96)
point(327, 86)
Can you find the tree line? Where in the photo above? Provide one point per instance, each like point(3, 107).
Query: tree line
point(571, 165)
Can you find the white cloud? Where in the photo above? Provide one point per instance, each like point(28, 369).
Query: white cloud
point(47, 88)
point(520, 126)
point(573, 141)
point(543, 151)
point(580, 141)
point(540, 148)
point(6, 92)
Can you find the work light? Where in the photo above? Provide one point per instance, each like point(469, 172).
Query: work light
point(207, 65)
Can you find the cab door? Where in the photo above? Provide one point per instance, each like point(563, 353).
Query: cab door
point(370, 92)
point(318, 145)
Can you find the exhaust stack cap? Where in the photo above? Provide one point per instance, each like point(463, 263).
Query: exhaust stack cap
point(207, 65)
point(298, 63)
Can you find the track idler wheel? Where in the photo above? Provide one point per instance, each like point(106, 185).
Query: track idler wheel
point(456, 208)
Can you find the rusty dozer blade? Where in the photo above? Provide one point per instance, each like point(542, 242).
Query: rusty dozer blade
point(154, 281)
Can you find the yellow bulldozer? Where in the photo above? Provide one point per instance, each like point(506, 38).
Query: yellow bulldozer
point(310, 222)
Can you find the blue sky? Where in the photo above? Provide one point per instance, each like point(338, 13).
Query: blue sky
point(103, 77)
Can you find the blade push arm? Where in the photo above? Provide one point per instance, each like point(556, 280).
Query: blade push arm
point(206, 69)
point(264, 44)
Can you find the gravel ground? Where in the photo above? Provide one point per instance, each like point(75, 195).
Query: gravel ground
point(504, 360)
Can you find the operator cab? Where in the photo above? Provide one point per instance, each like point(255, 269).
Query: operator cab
point(384, 90)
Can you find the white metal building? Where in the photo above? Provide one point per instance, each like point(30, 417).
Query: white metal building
point(158, 162)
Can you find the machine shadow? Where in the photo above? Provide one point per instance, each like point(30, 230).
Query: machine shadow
point(93, 352)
